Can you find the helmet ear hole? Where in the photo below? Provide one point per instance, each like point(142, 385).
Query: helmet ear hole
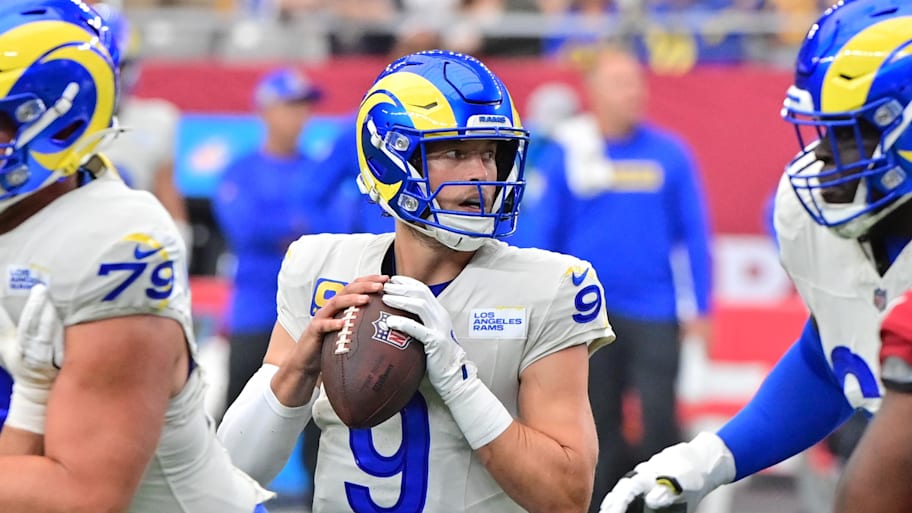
point(7, 125)
point(64, 135)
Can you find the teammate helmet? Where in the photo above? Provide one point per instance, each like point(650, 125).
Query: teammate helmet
point(58, 85)
point(435, 96)
point(853, 84)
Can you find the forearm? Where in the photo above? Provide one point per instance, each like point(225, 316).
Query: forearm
point(545, 459)
point(538, 472)
point(876, 477)
point(294, 386)
point(39, 484)
point(698, 252)
point(534, 469)
point(694, 225)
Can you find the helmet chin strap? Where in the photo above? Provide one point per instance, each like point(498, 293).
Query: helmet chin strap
point(459, 241)
point(859, 226)
point(452, 240)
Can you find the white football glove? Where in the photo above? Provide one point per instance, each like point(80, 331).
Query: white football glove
point(478, 412)
point(682, 473)
point(32, 354)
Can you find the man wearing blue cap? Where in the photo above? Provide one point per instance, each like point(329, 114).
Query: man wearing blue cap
point(266, 200)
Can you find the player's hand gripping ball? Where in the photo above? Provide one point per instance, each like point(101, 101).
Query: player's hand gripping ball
point(370, 372)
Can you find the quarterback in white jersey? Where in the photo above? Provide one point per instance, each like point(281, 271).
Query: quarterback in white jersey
point(107, 409)
point(843, 222)
point(501, 421)
point(532, 292)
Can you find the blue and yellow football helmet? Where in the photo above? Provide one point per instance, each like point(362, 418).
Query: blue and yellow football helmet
point(58, 85)
point(852, 101)
point(436, 96)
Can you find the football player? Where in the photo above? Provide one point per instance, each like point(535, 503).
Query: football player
point(873, 479)
point(843, 223)
point(501, 421)
point(122, 426)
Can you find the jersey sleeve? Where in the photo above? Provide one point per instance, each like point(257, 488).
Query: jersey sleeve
point(294, 298)
point(315, 268)
point(576, 315)
point(133, 272)
point(896, 348)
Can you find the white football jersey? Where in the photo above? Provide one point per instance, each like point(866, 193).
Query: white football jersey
point(843, 291)
point(147, 143)
point(509, 307)
point(106, 251)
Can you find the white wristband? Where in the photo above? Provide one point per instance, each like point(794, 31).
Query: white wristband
point(479, 414)
point(258, 431)
point(28, 408)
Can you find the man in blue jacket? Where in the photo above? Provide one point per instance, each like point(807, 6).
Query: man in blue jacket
point(625, 195)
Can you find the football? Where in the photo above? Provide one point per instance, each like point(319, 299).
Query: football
point(370, 372)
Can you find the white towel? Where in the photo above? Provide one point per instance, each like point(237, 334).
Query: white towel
point(589, 168)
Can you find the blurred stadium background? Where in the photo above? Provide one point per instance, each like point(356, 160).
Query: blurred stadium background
point(718, 73)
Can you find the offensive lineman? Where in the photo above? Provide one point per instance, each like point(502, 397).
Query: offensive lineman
point(843, 221)
point(122, 426)
point(502, 421)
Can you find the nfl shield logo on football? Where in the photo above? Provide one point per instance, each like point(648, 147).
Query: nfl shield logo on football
point(383, 333)
point(880, 299)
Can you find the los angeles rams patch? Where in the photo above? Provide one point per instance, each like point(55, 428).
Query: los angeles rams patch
point(20, 279)
point(498, 322)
